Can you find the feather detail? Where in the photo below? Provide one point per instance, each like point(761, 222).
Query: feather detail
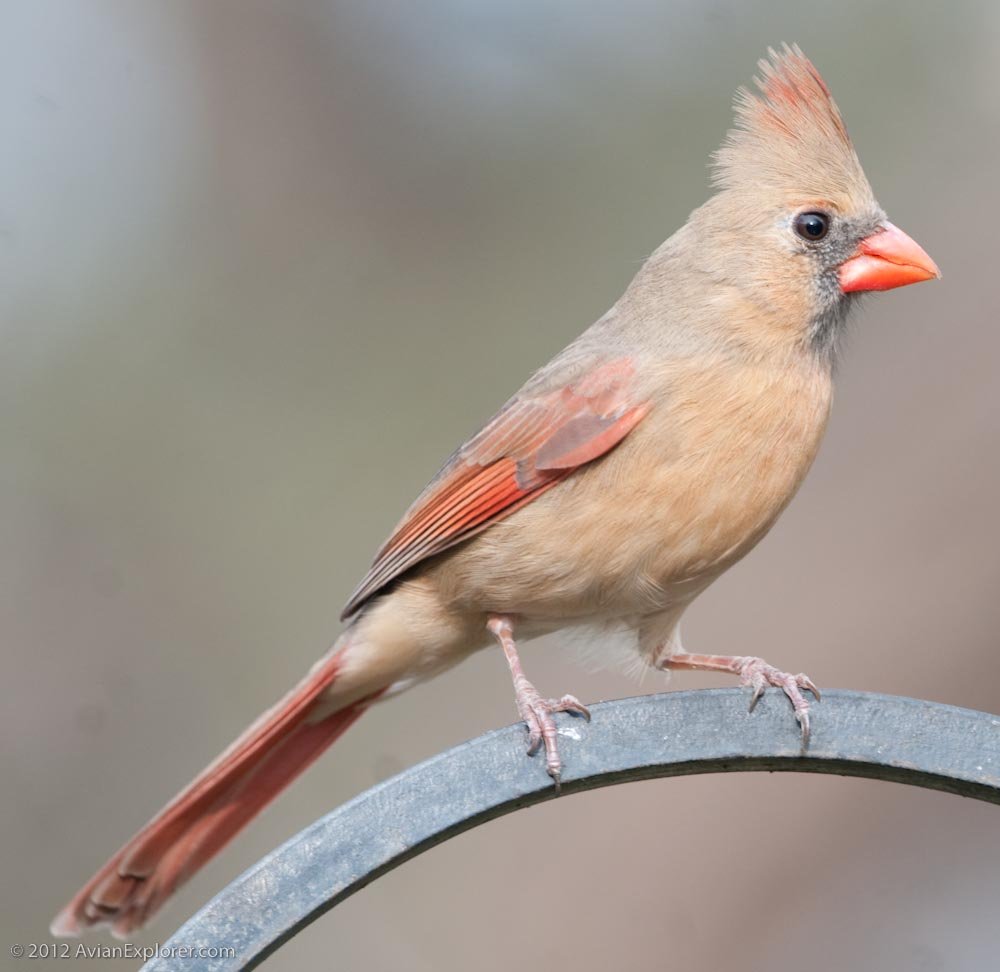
point(531, 445)
point(792, 138)
point(210, 811)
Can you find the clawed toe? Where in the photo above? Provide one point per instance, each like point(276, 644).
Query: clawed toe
point(533, 722)
point(571, 704)
point(759, 675)
point(534, 710)
point(806, 683)
point(537, 714)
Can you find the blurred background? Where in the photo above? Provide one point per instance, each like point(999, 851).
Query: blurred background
point(264, 264)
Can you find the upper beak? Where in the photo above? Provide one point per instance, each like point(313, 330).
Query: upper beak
point(886, 259)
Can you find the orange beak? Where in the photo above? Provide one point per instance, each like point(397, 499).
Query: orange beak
point(886, 259)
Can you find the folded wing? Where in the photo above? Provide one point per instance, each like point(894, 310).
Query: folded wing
point(531, 445)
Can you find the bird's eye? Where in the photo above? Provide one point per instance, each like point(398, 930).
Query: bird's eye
point(812, 226)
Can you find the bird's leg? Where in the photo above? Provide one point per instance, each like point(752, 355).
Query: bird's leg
point(533, 709)
point(756, 673)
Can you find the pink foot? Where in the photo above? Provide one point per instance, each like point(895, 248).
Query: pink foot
point(537, 715)
point(533, 709)
point(758, 674)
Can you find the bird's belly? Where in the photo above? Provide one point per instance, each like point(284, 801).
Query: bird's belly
point(645, 529)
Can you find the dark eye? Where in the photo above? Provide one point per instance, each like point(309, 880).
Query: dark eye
point(812, 226)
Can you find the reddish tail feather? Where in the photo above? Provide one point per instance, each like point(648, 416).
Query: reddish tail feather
point(212, 809)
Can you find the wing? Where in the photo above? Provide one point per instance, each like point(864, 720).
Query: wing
point(533, 443)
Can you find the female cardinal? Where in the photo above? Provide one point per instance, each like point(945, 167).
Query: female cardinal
point(621, 479)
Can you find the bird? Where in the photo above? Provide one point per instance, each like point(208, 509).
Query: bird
point(624, 476)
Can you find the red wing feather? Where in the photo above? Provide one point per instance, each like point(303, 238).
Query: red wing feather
point(530, 446)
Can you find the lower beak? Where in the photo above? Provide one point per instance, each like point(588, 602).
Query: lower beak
point(886, 259)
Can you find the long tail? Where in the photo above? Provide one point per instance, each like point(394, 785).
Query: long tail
point(201, 820)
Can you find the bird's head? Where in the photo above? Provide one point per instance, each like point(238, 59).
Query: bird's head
point(796, 221)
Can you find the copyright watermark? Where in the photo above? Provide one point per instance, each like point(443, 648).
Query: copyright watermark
point(80, 950)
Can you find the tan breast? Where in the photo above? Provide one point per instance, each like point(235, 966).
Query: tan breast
point(690, 491)
point(745, 439)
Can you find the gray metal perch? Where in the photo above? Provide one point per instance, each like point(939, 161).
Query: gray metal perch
point(674, 734)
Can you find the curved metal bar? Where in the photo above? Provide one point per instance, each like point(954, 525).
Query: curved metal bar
point(673, 734)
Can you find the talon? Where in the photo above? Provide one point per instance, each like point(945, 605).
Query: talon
point(803, 718)
point(554, 769)
point(572, 705)
point(757, 674)
point(805, 682)
point(537, 715)
point(534, 739)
